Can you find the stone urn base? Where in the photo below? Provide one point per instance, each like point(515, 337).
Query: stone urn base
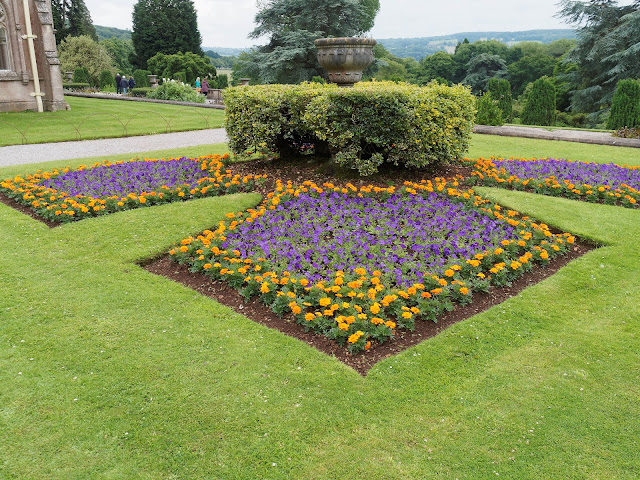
point(345, 58)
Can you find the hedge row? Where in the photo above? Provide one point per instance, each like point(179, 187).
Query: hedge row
point(360, 127)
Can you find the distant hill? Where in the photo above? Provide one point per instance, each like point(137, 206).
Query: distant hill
point(112, 32)
point(419, 48)
point(226, 52)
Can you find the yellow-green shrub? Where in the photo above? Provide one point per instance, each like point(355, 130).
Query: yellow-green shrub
point(361, 127)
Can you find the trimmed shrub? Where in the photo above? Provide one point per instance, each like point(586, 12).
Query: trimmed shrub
point(81, 75)
point(176, 92)
point(500, 90)
point(107, 80)
point(361, 127)
point(625, 106)
point(489, 112)
point(576, 120)
point(76, 86)
point(223, 81)
point(141, 92)
point(141, 79)
point(540, 107)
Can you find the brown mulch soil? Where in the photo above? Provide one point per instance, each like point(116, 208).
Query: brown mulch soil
point(298, 172)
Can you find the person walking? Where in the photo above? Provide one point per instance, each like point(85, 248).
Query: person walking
point(205, 87)
point(132, 82)
point(198, 85)
point(118, 78)
point(124, 84)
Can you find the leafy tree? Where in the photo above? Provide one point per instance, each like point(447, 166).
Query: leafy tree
point(292, 26)
point(85, 52)
point(466, 51)
point(499, 90)
point(190, 64)
point(438, 65)
point(141, 78)
point(482, 68)
point(540, 107)
point(120, 50)
point(625, 107)
point(107, 80)
point(164, 26)
point(606, 51)
point(72, 18)
point(528, 69)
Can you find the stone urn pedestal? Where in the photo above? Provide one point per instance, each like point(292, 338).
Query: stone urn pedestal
point(345, 58)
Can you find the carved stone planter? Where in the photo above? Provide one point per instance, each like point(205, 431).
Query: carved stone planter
point(345, 58)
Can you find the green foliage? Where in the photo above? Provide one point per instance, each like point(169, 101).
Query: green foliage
point(574, 120)
point(105, 33)
point(120, 50)
point(222, 81)
point(482, 68)
point(177, 92)
point(528, 69)
point(107, 79)
point(606, 52)
point(540, 107)
point(362, 127)
point(77, 86)
point(489, 112)
point(141, 91)
point(186, 66)
point(164, 26)
point(500, 90)
point(81, 75)
point(141, 78)
point(71, 18)
point(85, 52)
point(292, 26)
point(440, 64)
point(625, 107)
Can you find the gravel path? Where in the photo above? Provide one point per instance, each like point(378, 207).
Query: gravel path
point(42, 152)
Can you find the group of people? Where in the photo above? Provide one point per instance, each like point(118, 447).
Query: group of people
point(122, 84)
point(202, 87)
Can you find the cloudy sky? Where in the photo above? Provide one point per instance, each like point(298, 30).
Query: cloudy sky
point(227, 23)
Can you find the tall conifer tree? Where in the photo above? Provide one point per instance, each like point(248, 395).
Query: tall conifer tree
point(72, 18)
point(164, 26)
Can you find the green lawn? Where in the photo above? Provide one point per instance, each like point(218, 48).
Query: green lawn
point(110, 372)
point(97, 118)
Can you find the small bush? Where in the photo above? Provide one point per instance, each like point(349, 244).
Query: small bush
point(489, 112)
point(141, 78)
point(141, 91)
point(628, 132)
point(76, 86)
point(576, 120)
point(625, 106)
point(540, 107)
point(361, 127)
point(500, 90)
point(176, 92)
point(107, 79)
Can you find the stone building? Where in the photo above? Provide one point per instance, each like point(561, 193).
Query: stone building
point(28, 50)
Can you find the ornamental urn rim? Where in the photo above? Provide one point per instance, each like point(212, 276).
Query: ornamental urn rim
point(355, 41)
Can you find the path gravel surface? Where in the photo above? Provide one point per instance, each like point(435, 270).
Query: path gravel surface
point(42, 152)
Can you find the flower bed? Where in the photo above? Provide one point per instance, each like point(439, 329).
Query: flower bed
point(67, 194)
point(357, 264)
point(593, 182)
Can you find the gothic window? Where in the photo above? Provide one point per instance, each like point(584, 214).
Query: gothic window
point(4, 41)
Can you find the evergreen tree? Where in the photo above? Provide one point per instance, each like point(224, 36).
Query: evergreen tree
point(164, 26)
point(72, 18)
point(292, 26)
point(499, 89)
point(488, 111)
point(606, 52)
point(540, 108)
point(482, 68)
point(625, 107)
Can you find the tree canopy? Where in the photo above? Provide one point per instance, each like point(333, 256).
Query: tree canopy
point(164, 26)
point(606, 52)
point(292, 26)
point(83, 51)
point(72, 18)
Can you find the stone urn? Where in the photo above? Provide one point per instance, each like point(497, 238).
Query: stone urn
point(153, 81)
point(68, 76)
point(345, 58)
point(244, 82)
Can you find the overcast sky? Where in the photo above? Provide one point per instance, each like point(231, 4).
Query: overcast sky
point(227, 23)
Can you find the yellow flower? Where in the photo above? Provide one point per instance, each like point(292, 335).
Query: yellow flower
point(325, 302)
point(309, 316)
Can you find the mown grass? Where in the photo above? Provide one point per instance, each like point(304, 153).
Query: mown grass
point(91, 118)
point(108, 371)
